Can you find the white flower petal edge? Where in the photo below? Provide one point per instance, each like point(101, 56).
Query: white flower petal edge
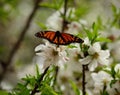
point(101, 78)
point(104, 53)
point(86, 60)
point(117, 68)
point(86, 41)
point(93, 65)
point(95, 48)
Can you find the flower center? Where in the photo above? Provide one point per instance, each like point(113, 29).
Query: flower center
point(54, 52)
point(77, 57)
point(95, 55)
point(105, 81)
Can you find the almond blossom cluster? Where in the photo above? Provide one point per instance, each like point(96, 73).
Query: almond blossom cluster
point(103, 73)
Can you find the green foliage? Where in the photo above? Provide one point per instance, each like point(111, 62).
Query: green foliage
point(112, 83)
point(6, 6)
point(118, 74)
point(100, 24)
point(80, 12)
point(116, 16)
point(41, 25)
point(103, 39)
point(28, 83)
point(92, 33)
point(48, 90)
point(55, 4)
point(75, 88)
point(114, 74)
point(111, 71)
point(3, 92)
point(104, 92)
point(72, 46)
point(58, 4)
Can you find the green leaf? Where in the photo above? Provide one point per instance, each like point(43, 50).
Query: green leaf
point(75, 88)
point(56, 5)
point(100, 23)
point(95, 29)
point(80, 11)
point(94, 33)
point(102, 39)
point(113, 73)
point(47, 90)
point(88, 32)
point(112, 82)
point(114, 9)
point(105, 93)
point(48, 5)
point(72, 46)
point(41, 25)
point(3, 92)
point(116, 16)
point(25, 92)
point(70, 18)
point(37, 71)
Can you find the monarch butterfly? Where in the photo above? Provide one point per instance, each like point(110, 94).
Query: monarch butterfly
point(58, 38)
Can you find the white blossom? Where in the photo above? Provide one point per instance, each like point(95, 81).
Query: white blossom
point(96, 55)
point(86, 41)
point(51, 54)
point(55, 22)
point(100, 80)
point(113, 90)
point(74, 27)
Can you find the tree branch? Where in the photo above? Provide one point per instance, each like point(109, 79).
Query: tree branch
point(64, 16)
point(40, 79)
point(20, 39)
point(56, 74)
point(83, 80)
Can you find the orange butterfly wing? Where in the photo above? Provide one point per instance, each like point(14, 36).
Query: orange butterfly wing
point(49, 35)
point(69, 38)
point(59, 38)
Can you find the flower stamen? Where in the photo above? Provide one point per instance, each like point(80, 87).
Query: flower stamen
point(95, 55)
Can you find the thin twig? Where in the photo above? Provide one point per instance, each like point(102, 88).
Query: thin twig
point(64, 16)
point(83, 79)
point(56, 73)
point(40, 79)
point(20, 39)
point(18, 43)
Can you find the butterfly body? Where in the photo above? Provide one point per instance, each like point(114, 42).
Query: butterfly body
point(58, 38)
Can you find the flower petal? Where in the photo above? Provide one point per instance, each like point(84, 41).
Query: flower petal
point(39, 47)
point(86, 41)
point(85, 60)
point(104, 53)
point(103, 61)
point(95, 48)
point(92, 65)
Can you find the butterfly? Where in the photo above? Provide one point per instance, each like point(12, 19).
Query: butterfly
point(59, 38)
